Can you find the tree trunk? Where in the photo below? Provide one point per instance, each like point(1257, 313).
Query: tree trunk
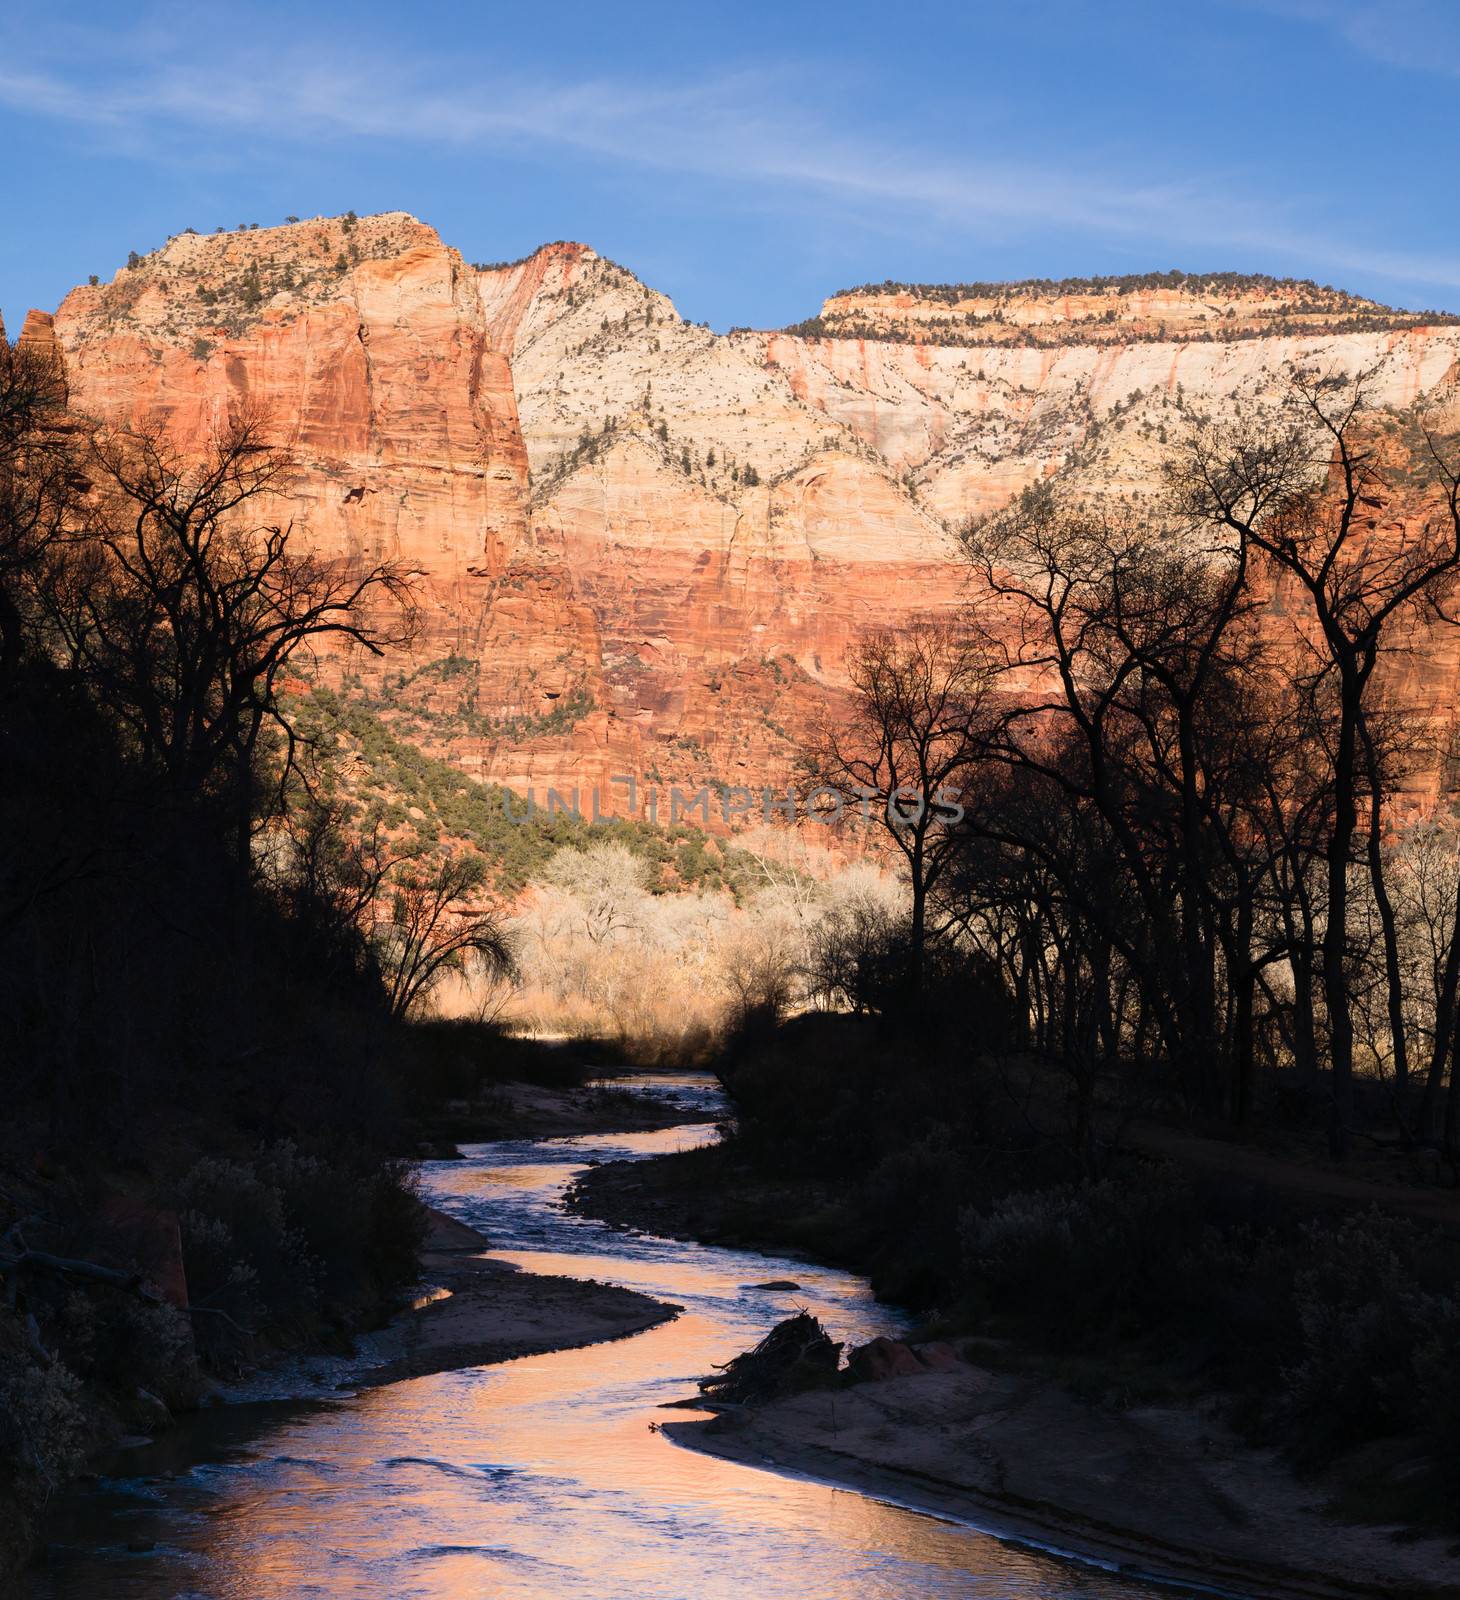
point(1452, 1108)
point(1022, 1002)
point(1300, 962)
point(1200, 976)
point(1335, 935)
point(10, 638)
point(1445, 1021)
point(1244, 981)
point(1392, 975)
point(917, 938)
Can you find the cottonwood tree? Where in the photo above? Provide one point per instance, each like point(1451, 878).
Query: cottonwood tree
point(1389, 745)
point(1425, 870)
point(184, 618)
point(400, 920)
point(909, 748)
point(606, 884)
point(40, 482)
point(330, 878)
point(1117, 639)
point(1303, 489)
point(1145, 708)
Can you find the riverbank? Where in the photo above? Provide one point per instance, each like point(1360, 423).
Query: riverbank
point(711, 1197)
point(1117, 1460)
point(537, 1476)
point(476, 1083)
point(521, 1109)
point(468, 1310)
point(1165, 1492)
point(475, 1310)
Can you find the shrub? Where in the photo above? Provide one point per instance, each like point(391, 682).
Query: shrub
point(1077, 1260)
point(242, 1255)
point(42, 1424)
point(120, 1343)
point(297, 1239)
point(1377, 1342)
point(859, 957)
point(909, 1204)
point(396, 1228)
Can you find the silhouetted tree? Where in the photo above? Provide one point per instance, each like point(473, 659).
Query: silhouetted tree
point(432, 927)
point(909, 750)
point(39, 483)
point(184, 619)
point(1303, 488)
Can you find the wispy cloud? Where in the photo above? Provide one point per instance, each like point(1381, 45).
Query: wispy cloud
point(736, 128)
point(1415, 35)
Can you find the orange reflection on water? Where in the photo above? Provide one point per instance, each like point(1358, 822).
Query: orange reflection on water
point(542, 1478)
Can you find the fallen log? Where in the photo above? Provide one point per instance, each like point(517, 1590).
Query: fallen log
point(43, 1259)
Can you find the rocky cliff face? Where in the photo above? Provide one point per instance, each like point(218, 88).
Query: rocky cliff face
point(645, 546)
point(1158, 307)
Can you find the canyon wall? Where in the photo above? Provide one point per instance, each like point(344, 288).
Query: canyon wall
point(644, 547)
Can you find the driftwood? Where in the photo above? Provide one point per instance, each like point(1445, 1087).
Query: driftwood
point(128, 1282)
point(796, 1354)
point(46, 1262)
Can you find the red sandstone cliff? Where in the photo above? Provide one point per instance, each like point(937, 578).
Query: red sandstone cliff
point(644, 547)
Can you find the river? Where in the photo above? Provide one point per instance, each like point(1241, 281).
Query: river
point(535, 1478)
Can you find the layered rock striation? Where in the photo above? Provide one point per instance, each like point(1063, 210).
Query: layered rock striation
point(644, 547)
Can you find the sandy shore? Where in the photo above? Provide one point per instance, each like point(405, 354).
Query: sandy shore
point(472, 1310)
point(489, 1310)
point(1169, 1491)
point(1164, 1493)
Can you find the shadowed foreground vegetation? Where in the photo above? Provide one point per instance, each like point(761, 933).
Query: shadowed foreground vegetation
point(208, 1075)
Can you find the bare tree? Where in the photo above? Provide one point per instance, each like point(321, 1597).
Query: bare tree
point(909, 749)
point(402, 921)
point(1142, 704)
point(1304, 492)
point(434, 926)
point(1109, 643)
point(39, 482)
point(331, 880)
point(606, 881)
point(184, 619)
point(1427, 857)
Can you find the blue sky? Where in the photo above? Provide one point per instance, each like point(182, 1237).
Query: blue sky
point(748, 159)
